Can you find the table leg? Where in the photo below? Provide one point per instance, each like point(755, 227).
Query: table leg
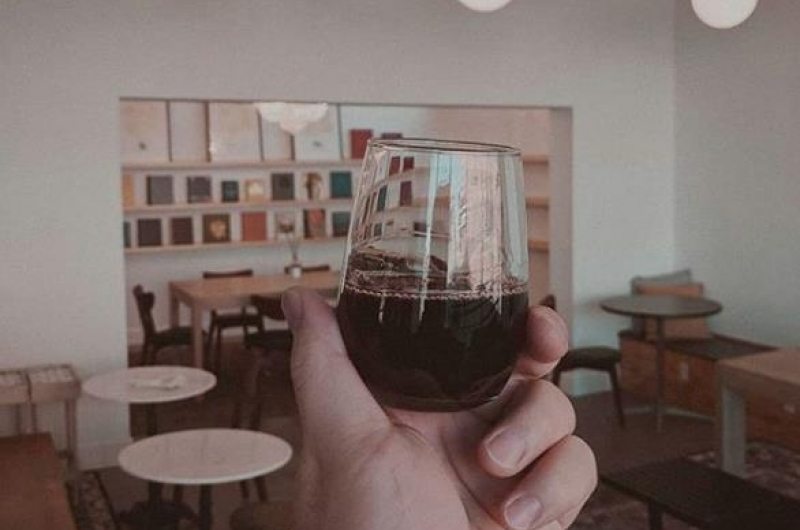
point(654, 518)
point(197, 336)
point(730, 427)
point(205, 508)
point(660, 375)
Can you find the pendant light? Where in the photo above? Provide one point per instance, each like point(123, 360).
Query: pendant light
point(724, 14)
point(485, 6)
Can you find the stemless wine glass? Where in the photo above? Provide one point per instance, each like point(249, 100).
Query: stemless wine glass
point(434, 295)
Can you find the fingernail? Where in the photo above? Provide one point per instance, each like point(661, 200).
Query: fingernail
point(505, 448)
point(292, 306)
point(522, 511)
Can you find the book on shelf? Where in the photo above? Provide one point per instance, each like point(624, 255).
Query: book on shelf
point(254, 226)
point(394, 165)
point(406, 193)
point(230, 191)
point(159, 189)
point(381, 199)
point(408, 163)
point(313, 186)
point(216, 228)
point(148, 232)
point(359, 138)
point(377, 229)
point(128, 190)
point(126, 234)
point(286, 224)
point(182, 231)
point(198, 189)
point(340, 222)
point(282, 186)
point(341, 184)
point(314, 223)
point(255, 190)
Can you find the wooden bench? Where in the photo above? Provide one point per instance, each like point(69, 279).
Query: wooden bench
point(689, 381)
point(32, 491)
point(705, 497)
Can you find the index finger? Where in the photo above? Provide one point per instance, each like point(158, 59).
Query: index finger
point(546, 343)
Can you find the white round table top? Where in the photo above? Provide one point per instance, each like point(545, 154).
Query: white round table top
point(205, 456)
point(150, 384)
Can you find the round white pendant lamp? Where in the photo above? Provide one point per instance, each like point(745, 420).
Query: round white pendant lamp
point(724, 14)
point(485, 6)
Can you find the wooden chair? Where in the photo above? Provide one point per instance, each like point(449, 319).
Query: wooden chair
point(269, 355)
point(263, 516)
point(155, 340)
point(599, 358)
point(221, 321)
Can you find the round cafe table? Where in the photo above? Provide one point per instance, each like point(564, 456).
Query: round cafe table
point(204, 457)
point(660, 308)
point(149, 386)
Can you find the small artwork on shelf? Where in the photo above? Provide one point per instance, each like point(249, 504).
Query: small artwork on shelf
point(182, 231)
point(198, 189)
point(313, 185)
point(420, 228)
point(377, 229)
point(406, 193)
point(159, 189)
point(314, 223)
point(128, 190)
point(408, 163)
point(285, 225)
point(340, 222)
point(341, 184)
point(320, 139)
point(230, 191)
point(148, 232)
point(359, 139)
point(282, 186)
point(254, 190)
point(394, 165)
point(216, 228)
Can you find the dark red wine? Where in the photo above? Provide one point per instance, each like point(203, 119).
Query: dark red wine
point(442, 351)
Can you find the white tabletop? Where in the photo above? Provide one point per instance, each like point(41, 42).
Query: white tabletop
point(150, 384)
point(205, 456)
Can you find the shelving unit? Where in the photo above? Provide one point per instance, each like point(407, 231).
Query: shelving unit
point(228, 246)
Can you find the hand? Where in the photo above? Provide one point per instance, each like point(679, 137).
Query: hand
point(510, 464)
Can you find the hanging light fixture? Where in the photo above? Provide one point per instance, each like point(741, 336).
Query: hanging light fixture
point(724, 14)
point(485, 6)
point(292, 117)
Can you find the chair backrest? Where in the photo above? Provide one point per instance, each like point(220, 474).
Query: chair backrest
point(144, 304)
point(549, 301)
point(227, 274)
point(311, 268)
point(268, 306)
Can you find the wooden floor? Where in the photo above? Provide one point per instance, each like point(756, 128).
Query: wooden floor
point(614, 446)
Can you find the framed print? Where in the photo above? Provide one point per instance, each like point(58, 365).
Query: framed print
point(314, 223)
point(320, 140)
point(216, 228)
point(233, 132)
point(143, 131)
point(282, 186)
point(341, 184)
point(340, 222)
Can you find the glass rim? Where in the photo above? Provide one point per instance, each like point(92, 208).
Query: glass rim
point(433, 145)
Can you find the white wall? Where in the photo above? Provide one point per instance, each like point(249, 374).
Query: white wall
point(738, 168)
point(65, 66)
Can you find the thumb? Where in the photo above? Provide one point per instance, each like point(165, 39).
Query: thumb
point(335, 405)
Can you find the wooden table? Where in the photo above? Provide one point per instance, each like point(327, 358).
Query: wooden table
point(204, 457)
point(32, 491)
point(774, 374)
point(226, 293)
point(660, 308)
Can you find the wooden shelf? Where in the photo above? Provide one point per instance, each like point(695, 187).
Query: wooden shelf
point(217, 206)
point(541, 160)
point(227, 246)
point(538, 245)
point(252, 164)
point(537, 202)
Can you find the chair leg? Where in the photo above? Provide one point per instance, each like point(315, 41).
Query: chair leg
point(218, 353)
point(612, 374)
point(261, 489)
